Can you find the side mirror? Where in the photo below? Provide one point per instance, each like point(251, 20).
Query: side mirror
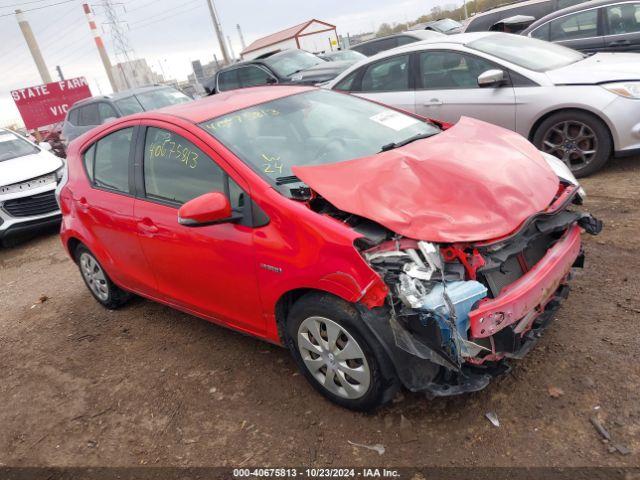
point(271, 81)
point(491, 78)
point(46, 146)
point(206, 209)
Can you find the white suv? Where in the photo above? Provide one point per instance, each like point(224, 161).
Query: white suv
point(29, 175)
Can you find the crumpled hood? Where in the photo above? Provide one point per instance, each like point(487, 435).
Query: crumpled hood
point(19, 169)
point(472, 182)
point(598, 68)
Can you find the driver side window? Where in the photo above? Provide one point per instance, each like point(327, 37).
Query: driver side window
point(450, 70)
point(176, 171)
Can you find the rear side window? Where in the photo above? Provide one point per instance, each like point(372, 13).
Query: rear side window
point(253, 76)
point(578, 25)
point(391, 74)
point(129, 106)
point(88, 115)
point(177, 171)
point(111, 161)
point(228, 80)
point(89, 159)
point(73, 117)
point(105, 111)
point(346, 85)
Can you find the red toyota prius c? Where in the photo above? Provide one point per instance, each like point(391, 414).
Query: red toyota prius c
point(383, 249)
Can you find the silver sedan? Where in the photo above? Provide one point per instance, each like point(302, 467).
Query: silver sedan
point(579, 108)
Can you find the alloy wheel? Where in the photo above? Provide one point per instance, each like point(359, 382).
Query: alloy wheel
point(574, 142)
point(94, 276)
point(334, 357)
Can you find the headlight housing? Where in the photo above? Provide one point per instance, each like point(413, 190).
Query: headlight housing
point(624, 89)
point(563, 171)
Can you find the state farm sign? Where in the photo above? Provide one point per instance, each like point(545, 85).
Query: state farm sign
point(47, 104)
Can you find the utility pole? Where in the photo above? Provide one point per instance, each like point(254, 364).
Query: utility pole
point(33, 47)
point(59, 70)
point(465, 9)
point(100, 45)
point(218, 29)
point(120, 41)
point(231, 52)
point(241, 36)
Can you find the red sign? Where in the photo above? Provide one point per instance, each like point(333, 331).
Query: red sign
point(48, 104)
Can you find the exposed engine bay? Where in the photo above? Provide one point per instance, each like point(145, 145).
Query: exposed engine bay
point(437, 292)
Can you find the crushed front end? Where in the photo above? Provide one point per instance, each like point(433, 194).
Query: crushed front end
point(468, 307)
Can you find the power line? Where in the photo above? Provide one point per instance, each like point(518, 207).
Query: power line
point(22, 3)
point(164, 12)
point(39, 8)
point(146, 23)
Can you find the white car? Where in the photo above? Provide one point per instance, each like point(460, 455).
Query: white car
point(579, 108)
point(29, 174)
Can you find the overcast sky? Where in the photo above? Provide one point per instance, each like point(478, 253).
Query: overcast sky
point(168, 33)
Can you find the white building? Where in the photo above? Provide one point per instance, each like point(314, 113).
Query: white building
point(135, 73)
point(313, 36)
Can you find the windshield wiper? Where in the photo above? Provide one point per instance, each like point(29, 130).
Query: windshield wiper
point(287, 180)
point(402, 143)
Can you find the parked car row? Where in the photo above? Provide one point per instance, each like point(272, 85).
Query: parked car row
point(579, 108)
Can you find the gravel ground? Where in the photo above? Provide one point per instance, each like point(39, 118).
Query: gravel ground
point(147, 385)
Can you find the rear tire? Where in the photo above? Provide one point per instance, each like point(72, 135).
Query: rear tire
point(572, 135)
point(97, 281)
point(337, 355)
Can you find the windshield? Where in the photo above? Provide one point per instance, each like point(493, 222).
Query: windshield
point(12, 146)
point(163, 97)
point(445, 25)
point(312, 128)
point(292, 61)
point(351, 55)
point(527, 52)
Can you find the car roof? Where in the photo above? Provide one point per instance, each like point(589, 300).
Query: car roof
point(225, 102)
point(440, 39)
point(506, 6)
point(574, 8)
point(119, 95)
point(410, 33)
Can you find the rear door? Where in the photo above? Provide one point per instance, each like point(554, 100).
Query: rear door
point(388, 81)
point(622, 27)
point(447, 89)
point(105, 208)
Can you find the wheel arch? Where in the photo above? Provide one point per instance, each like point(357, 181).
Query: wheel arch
point(72, 245)
point(286, 301)
point(545, 115)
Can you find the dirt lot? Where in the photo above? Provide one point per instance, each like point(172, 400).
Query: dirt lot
point(80, 385)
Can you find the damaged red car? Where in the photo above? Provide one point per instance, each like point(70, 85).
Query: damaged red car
point(383, 249)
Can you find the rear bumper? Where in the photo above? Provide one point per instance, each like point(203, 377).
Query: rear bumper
point(525, 299)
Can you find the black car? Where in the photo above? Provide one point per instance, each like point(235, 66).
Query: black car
point(448, 26)
point(493, 19)
point(377, 45)
point(290, 66)
point(596, 26)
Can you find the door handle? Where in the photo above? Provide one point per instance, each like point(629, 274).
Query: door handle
point(433, 102)
point(620, 43)
point(146, 226)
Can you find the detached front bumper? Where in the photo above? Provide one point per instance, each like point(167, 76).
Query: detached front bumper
point(522, 301)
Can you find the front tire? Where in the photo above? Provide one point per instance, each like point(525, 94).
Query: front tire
point(98, 282)
point(579, 139)
point(337, 355)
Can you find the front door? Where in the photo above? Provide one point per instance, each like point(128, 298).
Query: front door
point(447, 89)
point(208, 270)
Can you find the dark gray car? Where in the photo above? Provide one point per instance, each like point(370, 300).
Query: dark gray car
point(488, 20)
point(289, 66)
point(596, 26)
point(87, 114)
point(377, 45)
